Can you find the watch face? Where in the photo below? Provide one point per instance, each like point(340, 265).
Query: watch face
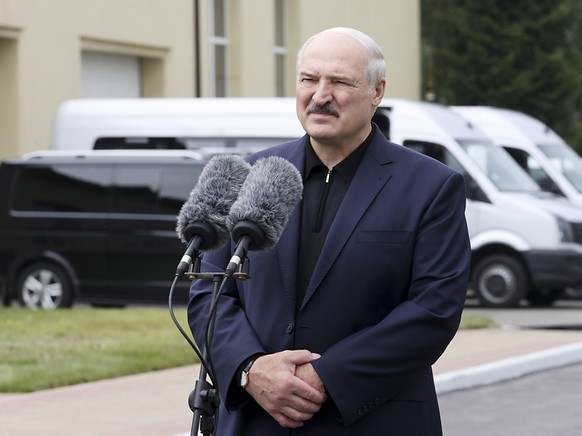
point(244, 379)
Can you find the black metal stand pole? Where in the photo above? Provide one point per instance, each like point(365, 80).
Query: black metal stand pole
point(204, 399)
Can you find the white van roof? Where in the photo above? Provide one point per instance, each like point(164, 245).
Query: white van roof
point(432, 119)
point(81, 122)
point(512, 122)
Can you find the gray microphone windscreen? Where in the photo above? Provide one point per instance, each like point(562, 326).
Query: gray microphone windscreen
point(211, 198)
point(267, 197)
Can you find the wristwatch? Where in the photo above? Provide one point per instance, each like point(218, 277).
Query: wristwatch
point(244, 375)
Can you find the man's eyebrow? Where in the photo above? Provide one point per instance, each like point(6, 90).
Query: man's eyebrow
point(332, 77)
point(343, 78)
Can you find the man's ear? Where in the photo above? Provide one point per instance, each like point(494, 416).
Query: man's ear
point(379, 92)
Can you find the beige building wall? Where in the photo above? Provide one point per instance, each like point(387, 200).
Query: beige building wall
point(41, 42)
point(252, 47)
point(40, 56)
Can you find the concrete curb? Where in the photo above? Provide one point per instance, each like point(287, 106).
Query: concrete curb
point(509, 368)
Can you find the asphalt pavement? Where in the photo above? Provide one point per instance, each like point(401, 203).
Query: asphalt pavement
point(545, 403)
point(482, 371)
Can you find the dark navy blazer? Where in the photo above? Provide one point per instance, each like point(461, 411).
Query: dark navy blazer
point(384, 301)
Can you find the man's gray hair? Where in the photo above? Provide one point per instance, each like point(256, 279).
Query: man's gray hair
point(376, 68)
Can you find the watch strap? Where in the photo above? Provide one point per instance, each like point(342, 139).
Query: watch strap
point(244, 374)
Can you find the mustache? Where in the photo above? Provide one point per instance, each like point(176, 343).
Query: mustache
point(325, 109)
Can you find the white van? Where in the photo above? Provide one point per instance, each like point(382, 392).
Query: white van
point(547, 158)
point(174, 123)
point(523, 247)
point(525, 243)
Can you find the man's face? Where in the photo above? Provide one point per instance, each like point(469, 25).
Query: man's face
point(334, 104)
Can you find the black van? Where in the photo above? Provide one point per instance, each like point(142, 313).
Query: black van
point(97, 227)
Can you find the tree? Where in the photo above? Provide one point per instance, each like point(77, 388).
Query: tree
point(522, 55)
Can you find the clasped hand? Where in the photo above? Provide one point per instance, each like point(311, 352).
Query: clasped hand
point(286, 385)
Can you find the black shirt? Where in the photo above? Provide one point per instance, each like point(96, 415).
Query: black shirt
point(323, 192)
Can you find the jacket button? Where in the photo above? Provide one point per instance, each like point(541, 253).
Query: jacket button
point(289, 328)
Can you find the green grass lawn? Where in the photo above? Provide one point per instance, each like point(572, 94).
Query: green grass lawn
point(47, 349)
point(477, 322)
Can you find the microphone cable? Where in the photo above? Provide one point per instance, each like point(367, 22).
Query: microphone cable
point(207, 364)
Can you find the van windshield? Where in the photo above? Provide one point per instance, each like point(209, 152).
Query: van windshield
point(565, 160)
point(500, 167)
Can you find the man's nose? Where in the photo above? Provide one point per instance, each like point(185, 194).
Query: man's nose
point(323, 92)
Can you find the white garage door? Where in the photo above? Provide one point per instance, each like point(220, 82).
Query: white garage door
point(110, 75)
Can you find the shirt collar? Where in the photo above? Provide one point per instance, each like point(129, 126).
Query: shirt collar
point(347, 167)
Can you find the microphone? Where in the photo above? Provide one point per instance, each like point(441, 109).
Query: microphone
point(266, 199)
point(202, 221)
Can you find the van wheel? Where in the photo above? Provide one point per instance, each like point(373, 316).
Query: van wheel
point(544, 297)
point(500, 281)
point(44, 285)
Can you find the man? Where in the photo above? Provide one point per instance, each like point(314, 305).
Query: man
point(337, 329)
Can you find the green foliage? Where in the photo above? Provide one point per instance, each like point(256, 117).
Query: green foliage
point(47, 349)
point(524, 55)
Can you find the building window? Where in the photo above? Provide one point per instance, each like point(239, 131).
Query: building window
point(280, 48)
point(218, 48)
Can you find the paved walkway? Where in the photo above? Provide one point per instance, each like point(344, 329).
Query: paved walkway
point(156, 403)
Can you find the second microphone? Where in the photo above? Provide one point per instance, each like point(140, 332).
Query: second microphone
point(259, 215)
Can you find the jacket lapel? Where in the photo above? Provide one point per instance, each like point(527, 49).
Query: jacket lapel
point(288, 246)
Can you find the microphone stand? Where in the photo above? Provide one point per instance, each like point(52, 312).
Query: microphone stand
point(205, 399)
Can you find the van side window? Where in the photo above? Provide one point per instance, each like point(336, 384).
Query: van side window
point(534, 169)
point(147, 189)
point(440, 153)
point(80, 188)
point(176, 185)
point(135, 189)
point(138, 142)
